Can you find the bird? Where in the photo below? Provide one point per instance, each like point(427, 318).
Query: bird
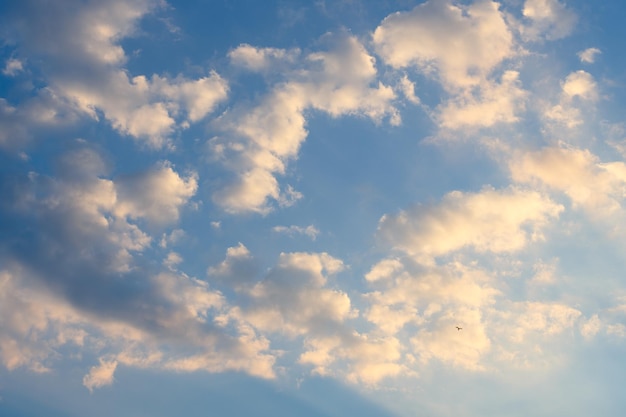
point(458, 328)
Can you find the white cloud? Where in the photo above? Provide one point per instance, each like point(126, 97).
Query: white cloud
point(310, 231)
point(488, 221)
point(465, 43)
point(597, 187)
point(445, 343)
point(369, 359)
point(258, 142)
point(260, 59)
point(237, 269)
point(580, 84)
point(101, 375)
point(83, 64)
point(250, 192)
point(549, 18)
point(487, 105)
point(589, 55)
point(383, 269)
point(143, 108)
point(292, 298)
point(579, 92)
point(198, 97)
point(408, 89)
point(156, 195)
point(172, 259)
point(27, 319)
point(464, 47)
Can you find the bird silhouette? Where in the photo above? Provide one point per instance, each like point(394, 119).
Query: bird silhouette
point(459, 328)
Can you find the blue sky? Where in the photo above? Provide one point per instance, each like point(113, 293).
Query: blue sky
point(287, 208)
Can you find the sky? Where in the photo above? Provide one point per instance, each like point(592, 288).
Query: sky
point(315, 208)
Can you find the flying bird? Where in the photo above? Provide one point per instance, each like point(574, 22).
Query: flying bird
point(458, 328)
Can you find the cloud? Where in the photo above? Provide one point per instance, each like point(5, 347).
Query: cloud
point(408, 89)
point(491, 220)
point(292, 298)
point(464, 48)
point(489, 104)
point(13, 67)
point(310, 231)
point(579, 90)
point(366, 360)
point(595, 186)
point(589, 55)
point(580, 84)
point(156, 195)
point(133, 311)
point(171, 260)
point(237, 270)
point(549, 18)
point(82, 62)
point(19, 124)
point(464, 43)
point(258, 142)
point(261, 59)
point(101, 375)
point(34, 325)
point(295, 299)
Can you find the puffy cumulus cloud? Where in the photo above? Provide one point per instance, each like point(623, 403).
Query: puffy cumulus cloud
point(412, 295)
point(580, 84)
point(591, 184)
point(81, 206)
point(428, 302)
point(77, 284)
point(238, 269)
point(358, 358)
point(147, 109)
point(101, 375)
point(177, 323)
point(464, 43)
point(156, 195)
point(196, 97)
point(548, 18)
point(258, 142)
point(464, 348)
point(485, 106)
point(27, 317)
point(421, 306)
point(491, 220)
point(589, 55)
point(579, 91)
point(77, 48)
point(383, 269)
point(293, 299)
point(464, 47)
point(261, 59)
